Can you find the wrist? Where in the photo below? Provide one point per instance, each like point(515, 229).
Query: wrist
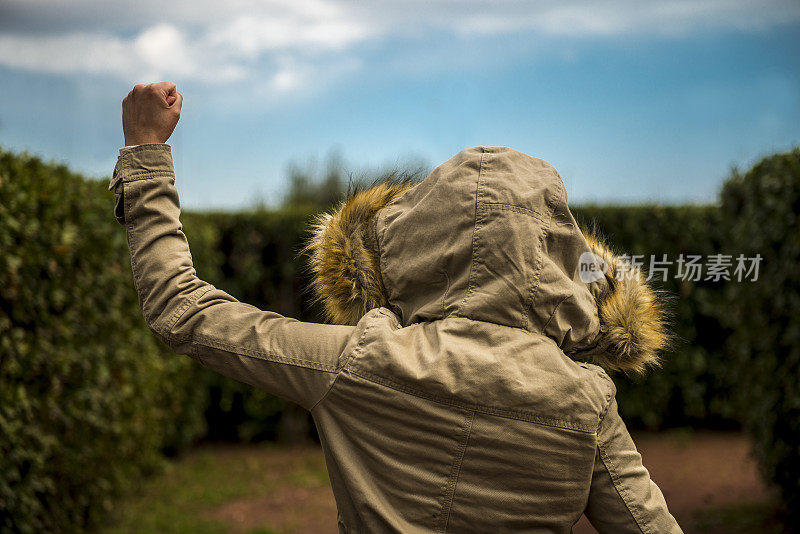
point(131, 140)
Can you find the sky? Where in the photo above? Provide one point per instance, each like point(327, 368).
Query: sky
point(632, 101)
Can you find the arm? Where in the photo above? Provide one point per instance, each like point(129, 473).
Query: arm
point(289, 358)
point(622, 497)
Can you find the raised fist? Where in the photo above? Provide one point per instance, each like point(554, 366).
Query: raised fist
point(150, 113)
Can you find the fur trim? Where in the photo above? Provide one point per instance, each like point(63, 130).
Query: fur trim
point(343, 253)
point(633, 326)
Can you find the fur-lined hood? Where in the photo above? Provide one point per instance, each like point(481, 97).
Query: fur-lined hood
point(486, 236)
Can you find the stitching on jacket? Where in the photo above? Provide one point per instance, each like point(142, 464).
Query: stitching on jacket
point(560, 302)
point(212, 343)
point(455, 471)
point(187, 303)
point(289, 361)
point(537, 276)
point(186, 338)
point(620, 487)
point(143, 175)
point(446, 290)
point(346, 359)
point(129, 195)
point(505, 206)
point(196, 354)
point(475, 236)
point(146, 147)
point(520, 415)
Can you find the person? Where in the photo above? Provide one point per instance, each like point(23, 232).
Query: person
point(455, 394)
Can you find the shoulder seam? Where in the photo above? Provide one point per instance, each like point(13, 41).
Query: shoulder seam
point(346, 358)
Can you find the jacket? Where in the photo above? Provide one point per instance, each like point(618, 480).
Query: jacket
point(458, 394)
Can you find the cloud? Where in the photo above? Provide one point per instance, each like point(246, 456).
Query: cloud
point(629, 17)
point(242, 45)
point(286, 44)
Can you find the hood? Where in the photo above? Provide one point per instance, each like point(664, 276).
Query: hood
point(487, 236)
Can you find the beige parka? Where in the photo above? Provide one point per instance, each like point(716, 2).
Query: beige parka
point(457, 396)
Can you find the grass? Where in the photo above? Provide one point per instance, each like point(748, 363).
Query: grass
point(184, 496)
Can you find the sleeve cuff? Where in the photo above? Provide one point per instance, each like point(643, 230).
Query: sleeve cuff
point(137, 161)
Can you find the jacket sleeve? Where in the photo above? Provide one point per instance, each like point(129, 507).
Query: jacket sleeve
point(622, 498)
point(292, 359)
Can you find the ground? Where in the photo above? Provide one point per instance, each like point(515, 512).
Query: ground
point(709, 480)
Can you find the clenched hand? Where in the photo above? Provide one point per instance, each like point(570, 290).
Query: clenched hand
point(150, 113)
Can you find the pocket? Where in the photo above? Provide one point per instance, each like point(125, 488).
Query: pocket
point(119, 203)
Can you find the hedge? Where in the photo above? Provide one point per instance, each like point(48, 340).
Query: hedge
point(255, 257)
point(88, 400)
point(691, 387)
point(761, 212)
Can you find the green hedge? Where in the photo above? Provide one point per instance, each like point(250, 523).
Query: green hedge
point(761, 212)
point(88, 400)
point(255, 257)
point(691, 388)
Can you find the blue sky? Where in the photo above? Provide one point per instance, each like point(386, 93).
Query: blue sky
point(630, 101)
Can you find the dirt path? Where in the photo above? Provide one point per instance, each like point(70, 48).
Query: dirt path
point(696, 472)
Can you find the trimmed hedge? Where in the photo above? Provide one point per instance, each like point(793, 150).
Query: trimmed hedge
point(88, 398)
point(691, 387)
point(254, 256)
point(761, 211)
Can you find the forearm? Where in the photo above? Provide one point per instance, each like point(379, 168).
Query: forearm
point(146, 202)
point(623, 498)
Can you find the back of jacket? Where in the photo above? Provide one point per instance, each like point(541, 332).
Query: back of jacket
point(461, 426)
point(455, 396)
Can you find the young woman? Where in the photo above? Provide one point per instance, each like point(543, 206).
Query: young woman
point(455, 394)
